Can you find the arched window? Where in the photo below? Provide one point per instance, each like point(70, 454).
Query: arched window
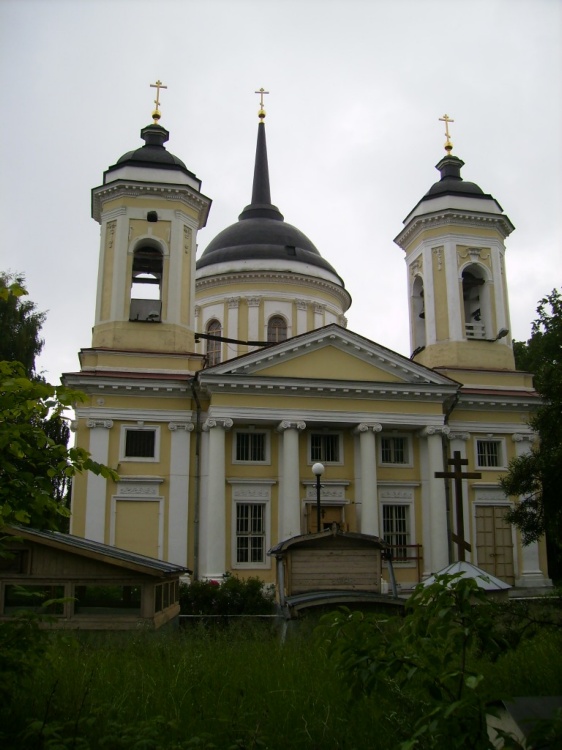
point(476, 302)
point(276, 329)
point(146, 285)
point(214, 328)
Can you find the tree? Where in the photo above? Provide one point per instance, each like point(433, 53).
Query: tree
point(30, 460)
point(20, 323)
point(35, 463)
point(536, 478)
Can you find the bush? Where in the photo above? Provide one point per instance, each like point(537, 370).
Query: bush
point(235, 596)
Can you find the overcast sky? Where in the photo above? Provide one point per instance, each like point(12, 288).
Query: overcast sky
point(357, 89)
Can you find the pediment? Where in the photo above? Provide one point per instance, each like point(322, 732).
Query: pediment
point(330, 353)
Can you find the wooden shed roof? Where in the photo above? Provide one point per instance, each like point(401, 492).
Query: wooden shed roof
point(302, 539)
point(98, 551)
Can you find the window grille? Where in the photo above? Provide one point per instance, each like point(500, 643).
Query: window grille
point(488, 453)
point(140, 443)
point(250, 446)
point(394, 450)
point(396, 529)
point(324, 447)
point(250, 533)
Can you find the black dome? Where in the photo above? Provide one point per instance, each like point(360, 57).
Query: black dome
point(262, 239)
point(451, 181)
point(153, 154)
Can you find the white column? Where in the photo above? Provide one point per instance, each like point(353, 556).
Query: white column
point(458, 442)
point(212, 540)
point(319, 314)
point(253, 320)
point(233, 305)
point(96, 486)
point(178, 500)
point(434, 502)
point(530, 573)
point(289, 489)
point(302, 312)
point(368, 488)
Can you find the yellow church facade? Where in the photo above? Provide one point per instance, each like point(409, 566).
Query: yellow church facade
point(214, 384)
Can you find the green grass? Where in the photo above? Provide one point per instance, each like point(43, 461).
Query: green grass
point(236, 687)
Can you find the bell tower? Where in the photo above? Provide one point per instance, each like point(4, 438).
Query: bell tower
point(150, 207)
point(455, 256)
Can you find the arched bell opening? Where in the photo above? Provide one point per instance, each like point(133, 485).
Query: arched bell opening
point(146, 285)
point(476, 302)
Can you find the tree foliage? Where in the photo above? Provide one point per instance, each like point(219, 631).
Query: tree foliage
point(536, 478)
point(31, 460)
point(20, 323)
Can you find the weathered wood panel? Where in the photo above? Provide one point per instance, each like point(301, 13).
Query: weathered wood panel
point(46, 562)
point(328, 569)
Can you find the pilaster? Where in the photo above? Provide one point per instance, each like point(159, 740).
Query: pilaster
point(178, 509)
point(96, 486)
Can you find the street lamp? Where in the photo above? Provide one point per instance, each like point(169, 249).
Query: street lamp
point(318, 470)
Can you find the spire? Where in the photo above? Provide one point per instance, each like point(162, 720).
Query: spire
point(261, 206)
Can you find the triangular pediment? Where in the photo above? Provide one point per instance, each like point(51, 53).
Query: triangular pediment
point(330, 353)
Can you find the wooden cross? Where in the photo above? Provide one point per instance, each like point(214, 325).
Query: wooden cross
point(158, 85)
point(448, 144)
point(457, 462)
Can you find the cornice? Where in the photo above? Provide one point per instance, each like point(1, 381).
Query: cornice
point(130, 189)
point(207, 283)
point(313, 418)
point(100, 385)
point(498, 400)
point(449, 217)
point(212, 384)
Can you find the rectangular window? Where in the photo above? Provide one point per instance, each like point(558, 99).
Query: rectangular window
point(396, 529)
point(107, 600)
point(394, 450)
point(251, 446)
point(489, 453)
point(140, 443)
point(250, 533)
point(325, 447)
point(33, 599)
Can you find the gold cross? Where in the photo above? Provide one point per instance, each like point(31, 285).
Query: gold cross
point(261, 92)
point(158, 85)
point(448, 143)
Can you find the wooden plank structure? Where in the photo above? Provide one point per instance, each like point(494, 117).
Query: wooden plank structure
point(103, 587)
point(331, 567)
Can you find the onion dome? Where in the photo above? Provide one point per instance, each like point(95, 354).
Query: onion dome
point(153, 154)
point(261, 237)
point(451, 181)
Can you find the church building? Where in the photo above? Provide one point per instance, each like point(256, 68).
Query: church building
point(215, 384)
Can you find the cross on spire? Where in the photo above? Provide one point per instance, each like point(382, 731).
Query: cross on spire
point(457, 463)
point(448, 143)
point(261, 92)
point(158, 85)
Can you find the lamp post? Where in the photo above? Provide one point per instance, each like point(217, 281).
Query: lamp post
point(318, 470)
